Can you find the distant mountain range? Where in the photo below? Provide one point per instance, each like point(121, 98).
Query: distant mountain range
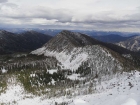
point(22, 41)
point(31, 40)
point(112, 38)
point(119, 38)
point(54, 32)
point(26, 41)
point(130, 42)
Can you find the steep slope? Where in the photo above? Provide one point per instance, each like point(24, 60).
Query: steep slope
point(113, 38)
point(132, 44)
point(10, 42)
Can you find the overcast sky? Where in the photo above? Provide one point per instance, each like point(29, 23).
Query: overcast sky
point(108, 15)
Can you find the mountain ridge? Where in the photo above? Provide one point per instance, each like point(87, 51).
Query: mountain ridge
point(25, 42)
point(112, 38)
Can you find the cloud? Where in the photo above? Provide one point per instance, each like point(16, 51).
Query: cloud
point(88, 14)
point(3, 1)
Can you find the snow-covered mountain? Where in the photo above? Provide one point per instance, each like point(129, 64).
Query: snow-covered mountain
point(67, 40)
point(76, 50)
point(132, 44)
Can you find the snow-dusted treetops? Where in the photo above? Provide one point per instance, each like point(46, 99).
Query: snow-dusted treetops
point(70, 64)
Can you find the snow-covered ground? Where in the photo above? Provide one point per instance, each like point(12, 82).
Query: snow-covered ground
point(52, 71)
point(124, 89)
point(4, 70)
point(75, 77)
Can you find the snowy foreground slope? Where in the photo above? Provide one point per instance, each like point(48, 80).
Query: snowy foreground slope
point(124, 89)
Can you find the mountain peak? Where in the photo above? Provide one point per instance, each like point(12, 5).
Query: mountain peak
point(68, 40)
point(65, 31)
point(68, 33)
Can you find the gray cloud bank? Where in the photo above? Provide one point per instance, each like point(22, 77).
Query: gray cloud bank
point(2, 1)
point(47, 17)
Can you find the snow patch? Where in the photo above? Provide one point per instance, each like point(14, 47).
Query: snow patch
point(67, 60)
point(39, 51)
point(52, 71)
point(4, 71)
point(75, 77)
point(80, 102)
point(32, 75)
point(130, 101)
point(13, 93)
